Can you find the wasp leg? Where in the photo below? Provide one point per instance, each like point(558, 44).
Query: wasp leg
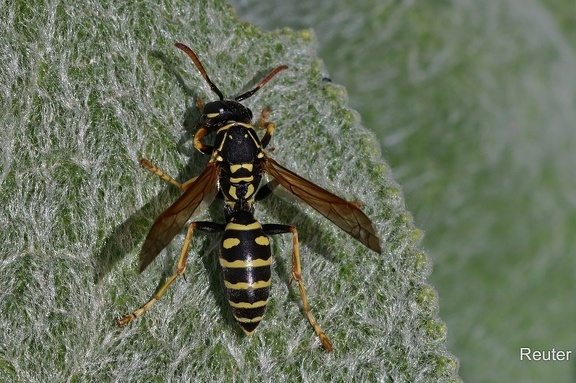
point(180, 269)
point(150, 166)
point(272, 229)
point(269, 126)
point(200, 134)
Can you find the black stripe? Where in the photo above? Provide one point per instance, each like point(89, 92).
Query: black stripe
point(235, 275)
point(242, 173)
point(249, 314)
point(248, 296)
point(244, 253)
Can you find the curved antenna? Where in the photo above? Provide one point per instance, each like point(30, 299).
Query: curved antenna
point(262, 83)
point(198, 64)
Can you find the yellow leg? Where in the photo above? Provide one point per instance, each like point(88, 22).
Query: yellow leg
point(297, 276)
point(200, 134)
point(150, 166)
point(180, 269)
point(269, 126)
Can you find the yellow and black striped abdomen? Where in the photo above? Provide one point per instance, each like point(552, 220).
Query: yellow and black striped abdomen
point(246, 258)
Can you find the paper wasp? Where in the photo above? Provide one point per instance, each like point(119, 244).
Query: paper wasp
point(233, 173)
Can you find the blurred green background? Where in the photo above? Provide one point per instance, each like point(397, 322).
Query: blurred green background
point(474, 103)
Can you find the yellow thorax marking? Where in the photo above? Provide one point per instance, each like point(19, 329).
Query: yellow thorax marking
point(234, 168)
point(226, 127)
point(241, 179)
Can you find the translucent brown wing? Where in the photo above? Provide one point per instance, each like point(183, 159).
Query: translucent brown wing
point(343, 213)
point(169, 223)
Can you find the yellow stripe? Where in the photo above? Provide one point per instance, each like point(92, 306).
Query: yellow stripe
point(241, 179)
point(245, 264)
point(225, 127)
point(248, 305)
point(212, 115)
point(246, 286)
point(230, 243)
point(236, 226)
point(250, 190)
point(234, 168)
point(248, 320)
point(232, 192)
point(262, 241)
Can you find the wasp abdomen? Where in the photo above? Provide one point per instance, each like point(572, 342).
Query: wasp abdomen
point(245, 257)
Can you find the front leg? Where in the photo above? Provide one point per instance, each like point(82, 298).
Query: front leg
point(269, 126)
point(200, 134)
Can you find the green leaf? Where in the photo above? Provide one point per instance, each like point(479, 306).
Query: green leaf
point(87, 90)
point(474, 105)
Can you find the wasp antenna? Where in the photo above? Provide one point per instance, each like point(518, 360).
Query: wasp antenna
point(200, 67)
point(262, 83)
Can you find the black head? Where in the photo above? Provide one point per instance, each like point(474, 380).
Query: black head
point(219, 112)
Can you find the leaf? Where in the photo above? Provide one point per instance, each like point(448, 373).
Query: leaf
point(88, 89)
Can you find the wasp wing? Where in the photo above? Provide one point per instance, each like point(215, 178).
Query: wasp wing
point(169, 223)
point(343, 213)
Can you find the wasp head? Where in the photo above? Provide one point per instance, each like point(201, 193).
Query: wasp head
point(215, 114)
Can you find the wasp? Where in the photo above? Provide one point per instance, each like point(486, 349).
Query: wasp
point(234, 173)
